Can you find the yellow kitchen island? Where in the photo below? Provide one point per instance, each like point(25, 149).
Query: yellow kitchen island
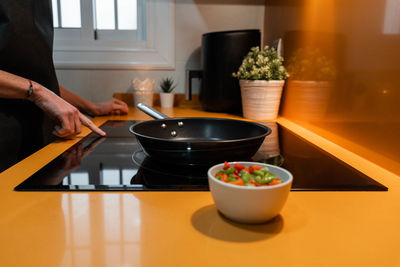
point(185, 229)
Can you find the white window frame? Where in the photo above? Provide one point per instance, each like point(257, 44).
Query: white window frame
point(77, 48)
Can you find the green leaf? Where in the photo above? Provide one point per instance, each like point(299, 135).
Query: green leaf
point(167, 84)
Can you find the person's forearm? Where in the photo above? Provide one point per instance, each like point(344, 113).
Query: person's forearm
point(109, 107)
point(13, 86)
point(67, 117)
point(80, 103)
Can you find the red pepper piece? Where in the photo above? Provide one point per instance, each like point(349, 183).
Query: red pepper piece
point(256, 167)
point(275, 182)
point(226, 165)
point(237, 182)
point(238, 167)
point(237, 176)
point(251, 169)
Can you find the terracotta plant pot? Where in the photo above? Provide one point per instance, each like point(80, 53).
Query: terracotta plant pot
point(261, 99)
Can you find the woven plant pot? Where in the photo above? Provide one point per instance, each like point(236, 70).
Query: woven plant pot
point(261, 99)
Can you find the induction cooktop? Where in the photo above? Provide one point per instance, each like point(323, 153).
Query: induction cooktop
point(117, 163)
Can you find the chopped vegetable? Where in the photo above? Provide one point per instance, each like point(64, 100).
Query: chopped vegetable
point(239, 166)
point(256, 167)
point(237, 182)
point(226, 165)
point(222, 177)
point(252, 176)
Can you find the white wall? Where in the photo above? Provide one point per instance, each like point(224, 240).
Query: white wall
point(193, 18)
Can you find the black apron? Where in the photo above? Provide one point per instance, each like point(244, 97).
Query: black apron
point(26, 47)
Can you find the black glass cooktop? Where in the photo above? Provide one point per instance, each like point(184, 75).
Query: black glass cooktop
point(117, 163)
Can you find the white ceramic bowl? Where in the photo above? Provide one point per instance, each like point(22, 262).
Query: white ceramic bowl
point(250, 204)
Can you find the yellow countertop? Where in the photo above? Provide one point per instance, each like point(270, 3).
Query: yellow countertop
point(184, 228)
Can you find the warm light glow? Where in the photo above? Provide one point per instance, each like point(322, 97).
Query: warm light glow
point(344, 63)
point(319, 15)
point(106, 222)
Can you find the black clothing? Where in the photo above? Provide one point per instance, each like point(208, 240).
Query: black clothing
point(26, 48)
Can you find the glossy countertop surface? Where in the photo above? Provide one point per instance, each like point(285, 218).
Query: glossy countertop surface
point(185, 229)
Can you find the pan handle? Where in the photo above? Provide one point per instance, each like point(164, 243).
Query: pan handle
point(151, 111)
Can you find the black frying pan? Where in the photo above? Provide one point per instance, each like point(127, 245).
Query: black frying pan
point(197, 140)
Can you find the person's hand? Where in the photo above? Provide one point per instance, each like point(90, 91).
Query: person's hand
point(111, 107)
point(68, 117)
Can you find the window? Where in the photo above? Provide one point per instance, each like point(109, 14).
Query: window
point(391, 24)
point(126, 34)
point(66, 15)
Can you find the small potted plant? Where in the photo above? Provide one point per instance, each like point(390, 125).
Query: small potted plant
point(167, 85)
point(261, 78)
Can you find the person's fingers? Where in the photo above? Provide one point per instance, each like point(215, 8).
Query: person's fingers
point(70, 125)
point(58, 131)
point(64, 128)
point(123, 106)
point(66, 125)
point(120, 106)
point(118, 101)
point(88, 123)
point(70, 122)
point(63, 132)
point(116, 112)
point(77, 124)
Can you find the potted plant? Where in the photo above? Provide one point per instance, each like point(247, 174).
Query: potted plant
point(261, 78)
point(167, 85)
point(310, 85)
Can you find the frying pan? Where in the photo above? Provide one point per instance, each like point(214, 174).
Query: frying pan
point(197, 140)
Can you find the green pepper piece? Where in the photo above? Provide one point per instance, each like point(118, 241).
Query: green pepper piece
point(270, 175)
point(258, 179)
point(231, 178)
point(246, 177)
point(268, 180)
point(263, 180)
point(229, 170)
point(259, 173)
point(265, 170)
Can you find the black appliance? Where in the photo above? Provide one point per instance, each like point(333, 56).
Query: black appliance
point(221, 55)
point(117, 163)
